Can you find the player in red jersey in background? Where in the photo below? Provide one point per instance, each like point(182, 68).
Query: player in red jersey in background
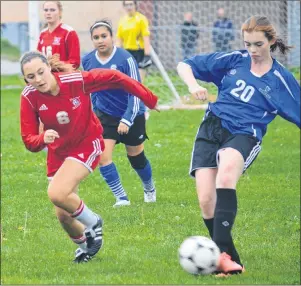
point(58, 41)
point(73, 135)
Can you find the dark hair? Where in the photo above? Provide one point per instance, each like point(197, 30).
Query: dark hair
point(58, 66)
point(263, 24)
point(135, 3)
point(102, 23)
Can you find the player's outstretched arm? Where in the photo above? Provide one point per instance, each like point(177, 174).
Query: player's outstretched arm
point(186, 74)
point(102, 79)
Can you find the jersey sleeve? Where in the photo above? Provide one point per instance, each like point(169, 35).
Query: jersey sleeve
point(289, 104)
point(131, 69)
point(29, 121)
point(213, 67)
point(73, 49)
point(102, 79)
point(144, 27)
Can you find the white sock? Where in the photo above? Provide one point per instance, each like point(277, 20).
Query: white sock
point(80, 241)
point(85, 215)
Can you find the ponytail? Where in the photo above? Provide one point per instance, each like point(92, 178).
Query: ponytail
point(284, 49)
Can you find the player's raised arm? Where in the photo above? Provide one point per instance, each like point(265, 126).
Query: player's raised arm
point(29, 122)
point(101, 79)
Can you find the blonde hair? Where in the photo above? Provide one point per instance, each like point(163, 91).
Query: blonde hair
point(263, 24)
point(58, 4)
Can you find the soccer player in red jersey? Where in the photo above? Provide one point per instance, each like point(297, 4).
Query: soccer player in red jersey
point(58, 41)
point(73, 135)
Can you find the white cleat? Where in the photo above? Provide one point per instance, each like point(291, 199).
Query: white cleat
point(121, 203)
point(150, 197)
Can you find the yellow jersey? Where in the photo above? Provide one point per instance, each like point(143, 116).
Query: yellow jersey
point(131, 31)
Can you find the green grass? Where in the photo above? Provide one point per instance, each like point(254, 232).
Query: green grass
point(141, 241)
point(9, 51)
point(12, 80)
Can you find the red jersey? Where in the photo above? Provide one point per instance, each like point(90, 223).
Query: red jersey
point(63, 41)
point(70, 112)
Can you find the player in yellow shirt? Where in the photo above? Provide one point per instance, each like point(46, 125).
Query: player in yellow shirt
point(133, 35)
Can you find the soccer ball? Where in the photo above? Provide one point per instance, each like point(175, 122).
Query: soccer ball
point(199, 255)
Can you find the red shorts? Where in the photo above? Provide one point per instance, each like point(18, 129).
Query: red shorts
point(87, 153)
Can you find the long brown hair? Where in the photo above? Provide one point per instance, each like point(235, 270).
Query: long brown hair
point(56, 66)
point(263, 24)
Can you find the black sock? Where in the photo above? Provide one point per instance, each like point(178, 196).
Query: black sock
point(224, 216)
point(233, 253)
point(209, 224)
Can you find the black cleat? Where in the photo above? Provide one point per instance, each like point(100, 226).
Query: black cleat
point(94, 238)
point(81, 256)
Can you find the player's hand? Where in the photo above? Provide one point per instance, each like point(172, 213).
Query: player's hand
point(157, 108)
point(123, 128)
point(50, 135)
point(55, 57)
point(146, 62)
point(199, 92)
point(54, 62)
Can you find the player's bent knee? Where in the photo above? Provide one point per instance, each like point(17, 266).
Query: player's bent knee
point(226, 180)
point(139, 161)
point(57, 197)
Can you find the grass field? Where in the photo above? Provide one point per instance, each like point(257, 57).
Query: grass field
point(141, 241)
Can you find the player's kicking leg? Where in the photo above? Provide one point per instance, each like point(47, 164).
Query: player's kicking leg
point(87, 224)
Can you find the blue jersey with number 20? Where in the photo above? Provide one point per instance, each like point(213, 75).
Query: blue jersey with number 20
point(247, 103)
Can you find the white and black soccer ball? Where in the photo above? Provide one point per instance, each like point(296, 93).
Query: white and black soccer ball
point(199, 255)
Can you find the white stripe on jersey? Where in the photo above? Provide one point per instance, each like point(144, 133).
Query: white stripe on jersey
point(134, 76)
point(254, 131)
point(28, 89)
point(71, 80)
point(233, 53)
point(70, 75)
point(278, 74)
point(67, 27)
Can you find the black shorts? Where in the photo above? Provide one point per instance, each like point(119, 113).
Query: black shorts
point(212, 137)
point(137, 54)
point(136, 135)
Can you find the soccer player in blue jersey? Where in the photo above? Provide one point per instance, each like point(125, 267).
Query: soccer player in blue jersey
point(121, 114)
point(253, 87)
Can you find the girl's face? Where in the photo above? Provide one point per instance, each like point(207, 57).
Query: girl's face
point(129, 7)
point(102, 40)
point(52, 13)
point(257, 45)
point(38, 74)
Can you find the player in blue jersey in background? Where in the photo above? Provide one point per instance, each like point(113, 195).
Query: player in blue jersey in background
point(253, 87)
point(121, 114)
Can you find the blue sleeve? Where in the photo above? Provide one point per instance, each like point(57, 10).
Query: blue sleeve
point(289, 104)
point(131, 69)
point(84, 63)
point(213, 67)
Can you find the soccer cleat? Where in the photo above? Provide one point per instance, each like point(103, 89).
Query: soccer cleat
point(150, 197)
point(121, 203)
point(228, 267)
point(94, 238)
point(81, 256)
